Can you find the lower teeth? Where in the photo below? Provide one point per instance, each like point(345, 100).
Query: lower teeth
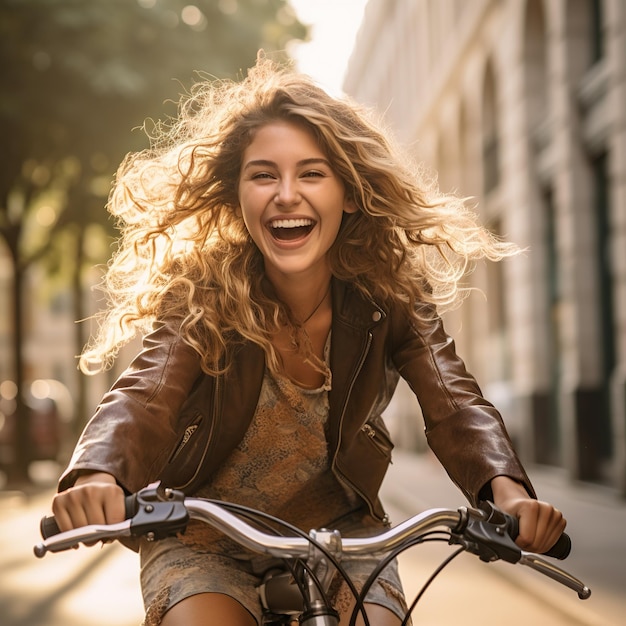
point(288, 234)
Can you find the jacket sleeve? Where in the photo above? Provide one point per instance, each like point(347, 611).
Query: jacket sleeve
point(133, 429)
point(463, 429)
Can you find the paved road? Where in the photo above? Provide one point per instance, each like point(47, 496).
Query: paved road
point(86, 587)
point(596, 523)
point(99, 586)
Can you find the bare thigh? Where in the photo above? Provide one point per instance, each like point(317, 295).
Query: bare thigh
point(208, 609)
point(377, 615)
point(216, 609)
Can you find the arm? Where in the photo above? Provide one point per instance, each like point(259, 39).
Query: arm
point(130, 436)
point(468, 435)
point(463, 429)
point(133, 430)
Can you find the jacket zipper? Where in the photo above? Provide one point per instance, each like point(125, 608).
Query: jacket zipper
point(343, 413)
point(189, 431)
point(369, 431)
point(216, 406)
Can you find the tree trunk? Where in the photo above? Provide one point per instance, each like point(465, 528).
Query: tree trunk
point(18, 470)
point(79, 315)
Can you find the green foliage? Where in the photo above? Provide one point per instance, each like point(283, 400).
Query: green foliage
point(80, 75)
point(77, 77)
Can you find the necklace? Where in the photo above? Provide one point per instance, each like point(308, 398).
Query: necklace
point(317, 306)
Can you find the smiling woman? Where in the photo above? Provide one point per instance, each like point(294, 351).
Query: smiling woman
point(269, 152)
point(286, 263)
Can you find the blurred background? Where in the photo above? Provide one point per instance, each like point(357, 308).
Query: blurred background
point(79, 80)
point(520, 104)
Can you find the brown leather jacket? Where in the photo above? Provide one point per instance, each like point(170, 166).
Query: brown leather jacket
point(164, 419)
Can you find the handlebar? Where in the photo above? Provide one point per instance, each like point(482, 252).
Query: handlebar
point(157, 513)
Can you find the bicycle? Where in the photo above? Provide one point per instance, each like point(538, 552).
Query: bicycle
point(299, 591)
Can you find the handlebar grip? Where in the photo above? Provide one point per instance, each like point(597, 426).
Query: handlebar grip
point(48, 526)
point(560, 550)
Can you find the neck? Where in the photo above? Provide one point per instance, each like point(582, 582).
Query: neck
point(317, 307)
point(304, 299)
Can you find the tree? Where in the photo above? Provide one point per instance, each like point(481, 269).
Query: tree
point(78, 76)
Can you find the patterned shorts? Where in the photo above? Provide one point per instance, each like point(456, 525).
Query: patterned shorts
point(172, 571)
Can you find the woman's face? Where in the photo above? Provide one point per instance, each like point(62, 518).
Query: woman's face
point(291, 200)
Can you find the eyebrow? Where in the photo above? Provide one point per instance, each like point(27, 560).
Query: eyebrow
point(268, 163)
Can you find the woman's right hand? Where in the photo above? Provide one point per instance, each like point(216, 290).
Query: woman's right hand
point(95, 498)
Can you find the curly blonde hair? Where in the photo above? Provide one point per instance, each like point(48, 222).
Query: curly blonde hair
point(185, 255)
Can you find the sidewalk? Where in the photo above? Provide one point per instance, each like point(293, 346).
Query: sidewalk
point(596, 524)
point(96, 586)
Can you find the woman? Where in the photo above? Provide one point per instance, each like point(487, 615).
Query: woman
point(288, 265)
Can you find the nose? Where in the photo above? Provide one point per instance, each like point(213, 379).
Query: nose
point(287, 193)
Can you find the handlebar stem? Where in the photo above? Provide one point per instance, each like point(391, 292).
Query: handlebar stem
point(319, 563)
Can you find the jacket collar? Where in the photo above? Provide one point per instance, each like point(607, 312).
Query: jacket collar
point(353, 308)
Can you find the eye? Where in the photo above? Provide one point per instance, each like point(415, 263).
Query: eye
point(261, 175)
point(313, 174)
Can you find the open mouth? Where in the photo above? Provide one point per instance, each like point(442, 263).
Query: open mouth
point(291, 229)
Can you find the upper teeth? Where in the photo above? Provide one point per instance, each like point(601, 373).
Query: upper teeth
point(293, 223)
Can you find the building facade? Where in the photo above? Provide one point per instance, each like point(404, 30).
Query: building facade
point(521, 104)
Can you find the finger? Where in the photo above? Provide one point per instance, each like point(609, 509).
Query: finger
point(555, 529)
point(114, 507)
point(549, 528)
point(61, 513)
point(533, 518)
point(72, 511)
point(79, 506)
point(528, 515)
point(541, 525)
point(103, 503)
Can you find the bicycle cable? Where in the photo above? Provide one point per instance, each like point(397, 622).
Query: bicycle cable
point(254, 516)
point(432, 536)
point(427, 584)
point(260, 516)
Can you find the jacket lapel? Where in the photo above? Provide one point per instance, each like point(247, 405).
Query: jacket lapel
point(353, 318)
point(234, 407)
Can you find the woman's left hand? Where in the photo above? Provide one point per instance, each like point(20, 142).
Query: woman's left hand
point(540, 524)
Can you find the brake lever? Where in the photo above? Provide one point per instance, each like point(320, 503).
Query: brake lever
point(486, 534)
point(85, 534)
point(159, 513)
